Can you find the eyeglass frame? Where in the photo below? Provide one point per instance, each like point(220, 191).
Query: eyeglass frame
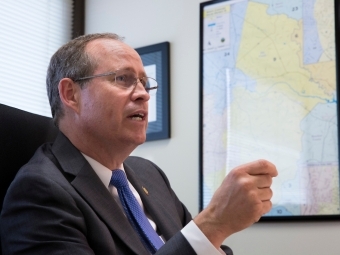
point(112, 73)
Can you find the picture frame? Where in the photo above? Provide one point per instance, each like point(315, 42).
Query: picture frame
point(156, 61)
point(268, 90)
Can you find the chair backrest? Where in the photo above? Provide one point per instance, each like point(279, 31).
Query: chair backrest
point(21, 133)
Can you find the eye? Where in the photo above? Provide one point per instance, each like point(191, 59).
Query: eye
point(121, 78)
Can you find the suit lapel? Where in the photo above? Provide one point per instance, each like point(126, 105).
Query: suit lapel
point(90, 187)
point(155, 201)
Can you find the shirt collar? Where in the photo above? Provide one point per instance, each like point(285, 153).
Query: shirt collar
point(103, 172)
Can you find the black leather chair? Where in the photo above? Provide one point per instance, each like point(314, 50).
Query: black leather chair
point(21, 133)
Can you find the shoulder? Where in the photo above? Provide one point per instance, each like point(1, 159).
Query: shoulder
point(41, 172)
point(136, 161)
point(42, 163)
point(146, 170)
point(142, 165)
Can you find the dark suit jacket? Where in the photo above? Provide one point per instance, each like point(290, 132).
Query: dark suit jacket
point(58, 205)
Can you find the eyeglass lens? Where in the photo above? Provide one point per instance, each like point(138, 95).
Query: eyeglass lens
point(127, 79)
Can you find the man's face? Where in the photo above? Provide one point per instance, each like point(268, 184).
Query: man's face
point(111, 115)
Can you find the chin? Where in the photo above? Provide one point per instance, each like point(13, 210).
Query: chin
point(139, 139)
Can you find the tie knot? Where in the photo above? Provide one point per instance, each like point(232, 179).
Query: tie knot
point(118, 179)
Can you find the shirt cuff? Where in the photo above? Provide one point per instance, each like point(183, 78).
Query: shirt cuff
point(198, 241)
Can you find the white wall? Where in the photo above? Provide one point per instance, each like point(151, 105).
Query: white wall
point(145, 22)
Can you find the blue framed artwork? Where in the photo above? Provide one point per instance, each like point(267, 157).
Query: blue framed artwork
point(156, 61)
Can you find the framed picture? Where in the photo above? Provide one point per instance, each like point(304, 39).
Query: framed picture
point(268, 90)
point(156, 61)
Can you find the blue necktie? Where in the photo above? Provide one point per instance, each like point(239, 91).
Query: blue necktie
point(135, 213)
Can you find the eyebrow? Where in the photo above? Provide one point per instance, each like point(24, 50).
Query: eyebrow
point(131, 70)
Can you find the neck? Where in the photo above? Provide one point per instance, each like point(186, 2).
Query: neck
point(110, 154)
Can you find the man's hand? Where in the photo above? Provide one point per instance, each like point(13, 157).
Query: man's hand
point(243, 197)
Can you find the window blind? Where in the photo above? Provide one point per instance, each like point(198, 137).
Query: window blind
point(31, 31)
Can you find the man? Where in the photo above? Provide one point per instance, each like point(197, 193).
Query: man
point(63, 200)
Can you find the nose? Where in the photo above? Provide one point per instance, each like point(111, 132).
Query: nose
point(140, 80)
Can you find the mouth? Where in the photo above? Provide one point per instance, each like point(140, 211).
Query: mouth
point(137, 116)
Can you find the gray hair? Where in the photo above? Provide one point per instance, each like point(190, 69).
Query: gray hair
point(71, 61)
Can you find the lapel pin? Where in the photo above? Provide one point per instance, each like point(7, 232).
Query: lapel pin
point(145, 190)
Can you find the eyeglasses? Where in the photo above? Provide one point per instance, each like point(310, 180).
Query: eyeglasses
point(126, 79)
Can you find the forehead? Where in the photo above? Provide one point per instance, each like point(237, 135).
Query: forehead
point(111, 55)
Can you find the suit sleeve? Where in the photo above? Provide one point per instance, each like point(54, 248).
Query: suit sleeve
point(178, 243)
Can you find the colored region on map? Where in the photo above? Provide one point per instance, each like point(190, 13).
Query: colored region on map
point(269, 91)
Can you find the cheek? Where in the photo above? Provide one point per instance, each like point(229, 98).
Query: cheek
point(104, 107)
point(91, 110)
point(92, 101)
point(108, 114)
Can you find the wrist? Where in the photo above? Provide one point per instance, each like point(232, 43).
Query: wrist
point(215, 232)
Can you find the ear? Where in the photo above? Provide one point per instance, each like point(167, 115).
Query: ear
point(69, 93)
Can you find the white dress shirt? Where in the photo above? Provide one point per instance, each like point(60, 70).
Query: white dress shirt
point(198, 241)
